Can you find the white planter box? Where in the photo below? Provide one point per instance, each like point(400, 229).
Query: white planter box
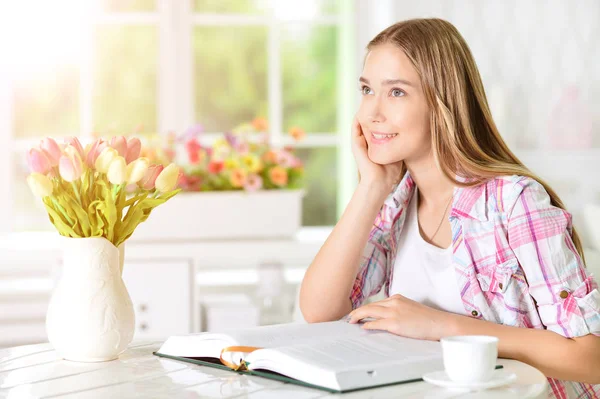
point(224, 214)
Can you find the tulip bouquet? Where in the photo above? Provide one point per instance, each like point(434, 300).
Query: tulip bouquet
point(105, 190)
point(241, 159)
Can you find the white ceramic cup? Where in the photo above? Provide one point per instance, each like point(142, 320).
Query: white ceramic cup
point(470, 358)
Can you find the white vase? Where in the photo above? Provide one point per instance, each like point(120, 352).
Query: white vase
point(90, 317)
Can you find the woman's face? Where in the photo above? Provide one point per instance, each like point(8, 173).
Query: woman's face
point(393, 112)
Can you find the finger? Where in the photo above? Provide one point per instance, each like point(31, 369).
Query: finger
point(371, 310)
point(363, 307)
point(356, 128)
point(381, 324)
point(360, 141)
point(360, 313)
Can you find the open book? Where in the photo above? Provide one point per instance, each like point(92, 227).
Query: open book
point(335, 356)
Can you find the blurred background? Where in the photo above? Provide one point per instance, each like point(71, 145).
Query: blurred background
point(145, 67)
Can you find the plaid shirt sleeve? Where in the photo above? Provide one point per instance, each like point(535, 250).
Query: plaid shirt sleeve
point(539, 234)
point(372, 271)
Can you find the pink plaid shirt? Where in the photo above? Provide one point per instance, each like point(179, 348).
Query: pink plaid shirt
point(514, 258)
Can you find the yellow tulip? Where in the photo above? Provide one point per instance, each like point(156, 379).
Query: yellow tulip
point(136, 170)
point(105, 159)
point(40, 185)
point(117, 171)
point(168, 179)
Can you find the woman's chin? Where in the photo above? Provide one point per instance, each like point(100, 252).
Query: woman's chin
point(382, 158)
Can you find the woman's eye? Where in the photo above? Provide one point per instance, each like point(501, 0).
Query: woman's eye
point(397, 93)
point(365, 90)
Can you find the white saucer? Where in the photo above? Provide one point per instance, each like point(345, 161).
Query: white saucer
point(499, 378)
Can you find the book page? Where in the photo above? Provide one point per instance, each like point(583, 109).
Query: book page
point(195, 345)
point(344, 363)
point(347, 353)
point(209, 344)
point(293, 334)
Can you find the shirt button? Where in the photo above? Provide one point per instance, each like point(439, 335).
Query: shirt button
point(474, 313)
point(500, 285)
point(564, 294)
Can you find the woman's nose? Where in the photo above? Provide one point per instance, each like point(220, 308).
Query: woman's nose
point(375, 114)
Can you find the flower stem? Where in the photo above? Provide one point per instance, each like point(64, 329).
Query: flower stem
point(76, 191)
point(62, 210)
point(115, 191)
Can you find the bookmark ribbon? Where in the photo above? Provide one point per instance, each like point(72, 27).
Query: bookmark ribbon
point(243, 366)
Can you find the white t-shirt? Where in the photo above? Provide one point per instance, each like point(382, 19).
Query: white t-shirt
point(422, 271)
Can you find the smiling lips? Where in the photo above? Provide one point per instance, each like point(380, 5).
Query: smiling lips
point(381, 138)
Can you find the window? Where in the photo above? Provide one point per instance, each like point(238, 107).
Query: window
point(148, 66)
point(124, 88)
point(276, 59)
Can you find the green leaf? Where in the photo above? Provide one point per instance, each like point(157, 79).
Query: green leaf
point(79, 214)
point(57, 220)
point(132, 200)
point(97, 222)
point(109, 209)
point(134, 215)
point(139, 212)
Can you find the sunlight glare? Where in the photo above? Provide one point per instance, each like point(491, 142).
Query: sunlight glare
point(295, 10)
point(43, 35)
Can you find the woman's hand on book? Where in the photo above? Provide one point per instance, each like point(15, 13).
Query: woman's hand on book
point(405, 317)
point(371, 174)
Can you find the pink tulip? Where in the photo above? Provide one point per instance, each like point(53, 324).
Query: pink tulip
point(51, 150)
point(149, 179)
point(131, 188)
point(38, 161)
point(134, 147)
point(74, 141)
point(70, 167)
point(94, 151)
point(119, 143)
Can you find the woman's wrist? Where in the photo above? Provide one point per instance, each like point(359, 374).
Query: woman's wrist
point(377, 189)
point(451, 325)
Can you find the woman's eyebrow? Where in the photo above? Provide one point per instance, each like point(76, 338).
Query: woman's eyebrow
point(388, 82)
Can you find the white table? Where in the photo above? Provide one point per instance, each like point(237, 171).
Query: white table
point(36, 371)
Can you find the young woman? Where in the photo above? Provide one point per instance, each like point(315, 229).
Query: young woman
point(461, 235)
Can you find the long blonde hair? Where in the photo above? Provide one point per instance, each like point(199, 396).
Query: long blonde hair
point(465, 139)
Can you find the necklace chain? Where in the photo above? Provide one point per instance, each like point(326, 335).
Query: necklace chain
point(442, 219)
